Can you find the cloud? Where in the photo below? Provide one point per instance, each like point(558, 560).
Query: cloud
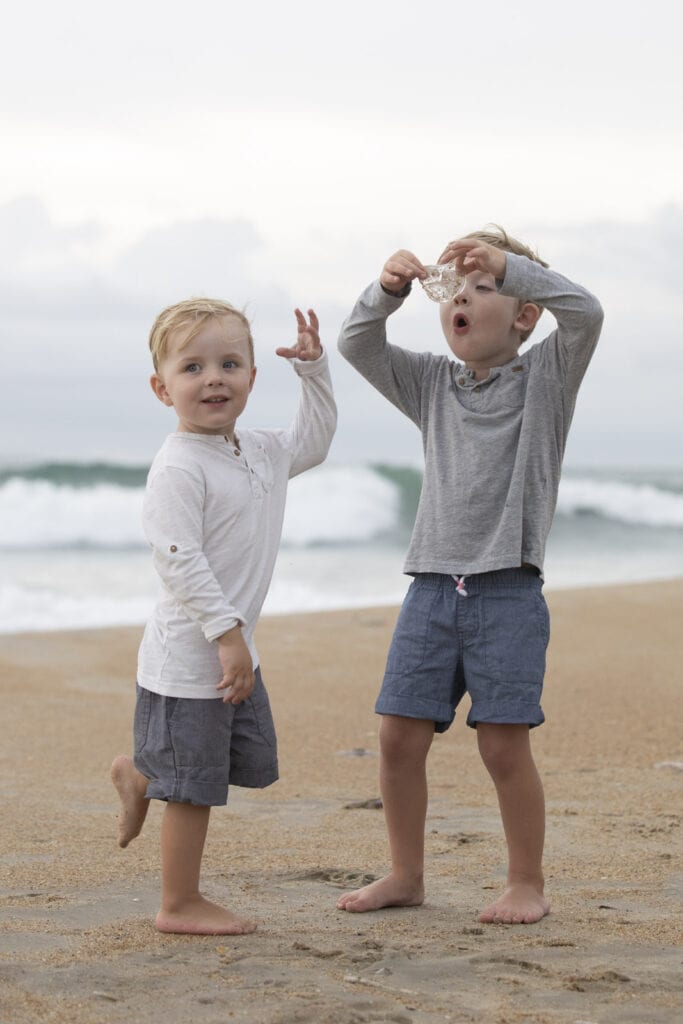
point(79, 328)
point(76, 321)
point(205, 256)
point(31, 243)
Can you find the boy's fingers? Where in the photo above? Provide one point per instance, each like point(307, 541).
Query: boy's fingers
point(463, 244)
point(241, 690)
point(308, 340)
point(408, 257)
point(408, 268)
point(311, 323)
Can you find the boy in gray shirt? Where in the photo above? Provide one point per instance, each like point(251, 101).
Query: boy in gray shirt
point(494, 428)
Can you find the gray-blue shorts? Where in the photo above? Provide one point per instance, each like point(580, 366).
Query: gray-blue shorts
point(490, 643)
point(192, 750)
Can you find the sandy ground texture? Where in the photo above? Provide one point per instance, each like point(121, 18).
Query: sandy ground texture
point(77, 943)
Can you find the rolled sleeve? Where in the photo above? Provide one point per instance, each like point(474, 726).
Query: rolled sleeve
point(173, 525)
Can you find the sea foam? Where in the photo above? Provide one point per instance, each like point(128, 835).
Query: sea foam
point(331, 505)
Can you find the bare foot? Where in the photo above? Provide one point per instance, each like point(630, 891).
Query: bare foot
point(385, 892)
point(521, 903)
point(131, 786)
point(198, 916)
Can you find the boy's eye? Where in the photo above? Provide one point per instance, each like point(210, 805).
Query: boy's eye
point(484, 288)
point(229, 363)
point(192, 367)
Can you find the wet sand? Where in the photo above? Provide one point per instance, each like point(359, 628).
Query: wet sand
point(77, 943)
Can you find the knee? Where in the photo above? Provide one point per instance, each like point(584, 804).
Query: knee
point(404, 741)
point(503, 749)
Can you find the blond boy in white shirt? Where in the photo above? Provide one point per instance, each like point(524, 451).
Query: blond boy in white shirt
point(213, 512)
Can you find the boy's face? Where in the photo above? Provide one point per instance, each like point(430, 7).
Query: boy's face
point(207, 380)
point(483, 327)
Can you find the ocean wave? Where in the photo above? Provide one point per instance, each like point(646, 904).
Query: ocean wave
point(637, 504)
point(78, 474)
point(340, 505)
point(25, 610)
point(38, 513)
point(333, 505)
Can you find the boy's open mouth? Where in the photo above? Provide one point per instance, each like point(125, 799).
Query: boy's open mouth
point(214, 400)
point(461, 324)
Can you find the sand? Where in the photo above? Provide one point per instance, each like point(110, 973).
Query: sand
point(77, 943)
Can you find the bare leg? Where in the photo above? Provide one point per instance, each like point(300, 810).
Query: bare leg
point(506, 752)
point(404, 745)
point(183, 908)
point(131, 786)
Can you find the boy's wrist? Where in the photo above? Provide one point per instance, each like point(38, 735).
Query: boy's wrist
point(404, 292)
point(232, 635)
point(306, 367)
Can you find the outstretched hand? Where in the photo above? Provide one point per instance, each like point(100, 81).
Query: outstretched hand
point(308, 345)
point(472, 254)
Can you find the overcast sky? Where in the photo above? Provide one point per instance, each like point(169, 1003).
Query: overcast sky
point(276, 154)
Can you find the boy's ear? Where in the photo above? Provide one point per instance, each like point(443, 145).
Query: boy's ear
point(159, 389)
point(252, 378)
point(527, 317)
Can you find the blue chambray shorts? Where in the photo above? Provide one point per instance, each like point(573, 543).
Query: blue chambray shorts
point(490, 644)
point(192, 750)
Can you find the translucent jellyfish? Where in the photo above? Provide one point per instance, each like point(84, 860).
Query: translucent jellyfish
point(443, 282)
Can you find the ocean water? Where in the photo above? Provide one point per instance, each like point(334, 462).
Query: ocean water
point(72, 552)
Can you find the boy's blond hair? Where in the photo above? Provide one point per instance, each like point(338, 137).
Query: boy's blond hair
point(191, 314)
point(494, 234)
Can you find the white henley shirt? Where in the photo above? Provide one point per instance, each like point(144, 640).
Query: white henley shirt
point(213, 515)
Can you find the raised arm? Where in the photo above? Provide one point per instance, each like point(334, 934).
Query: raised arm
point(578, 313)
point(397, 373)
point(311, 433)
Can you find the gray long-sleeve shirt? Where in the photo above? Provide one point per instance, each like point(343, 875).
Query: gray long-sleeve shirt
point(493, 448)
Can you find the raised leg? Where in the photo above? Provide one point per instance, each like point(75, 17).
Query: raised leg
point(131, 786)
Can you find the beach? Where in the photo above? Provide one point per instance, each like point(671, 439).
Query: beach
point(77, 942)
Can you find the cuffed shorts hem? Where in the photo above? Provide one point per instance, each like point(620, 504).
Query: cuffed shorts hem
point(409, 706)
point(193, 750)
point(506, 713)
point(488, 640)
point(207, 794)
point(254, 778)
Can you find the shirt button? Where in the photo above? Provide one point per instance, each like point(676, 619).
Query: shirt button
point(461, 380)
point(236, 452)
point(477, 388)
point(173, 548)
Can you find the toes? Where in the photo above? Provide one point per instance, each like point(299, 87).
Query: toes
point(346, 901)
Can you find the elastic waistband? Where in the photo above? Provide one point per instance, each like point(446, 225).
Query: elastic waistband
point(522, 576)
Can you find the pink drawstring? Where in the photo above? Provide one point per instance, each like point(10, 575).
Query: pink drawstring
point(460, 585)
